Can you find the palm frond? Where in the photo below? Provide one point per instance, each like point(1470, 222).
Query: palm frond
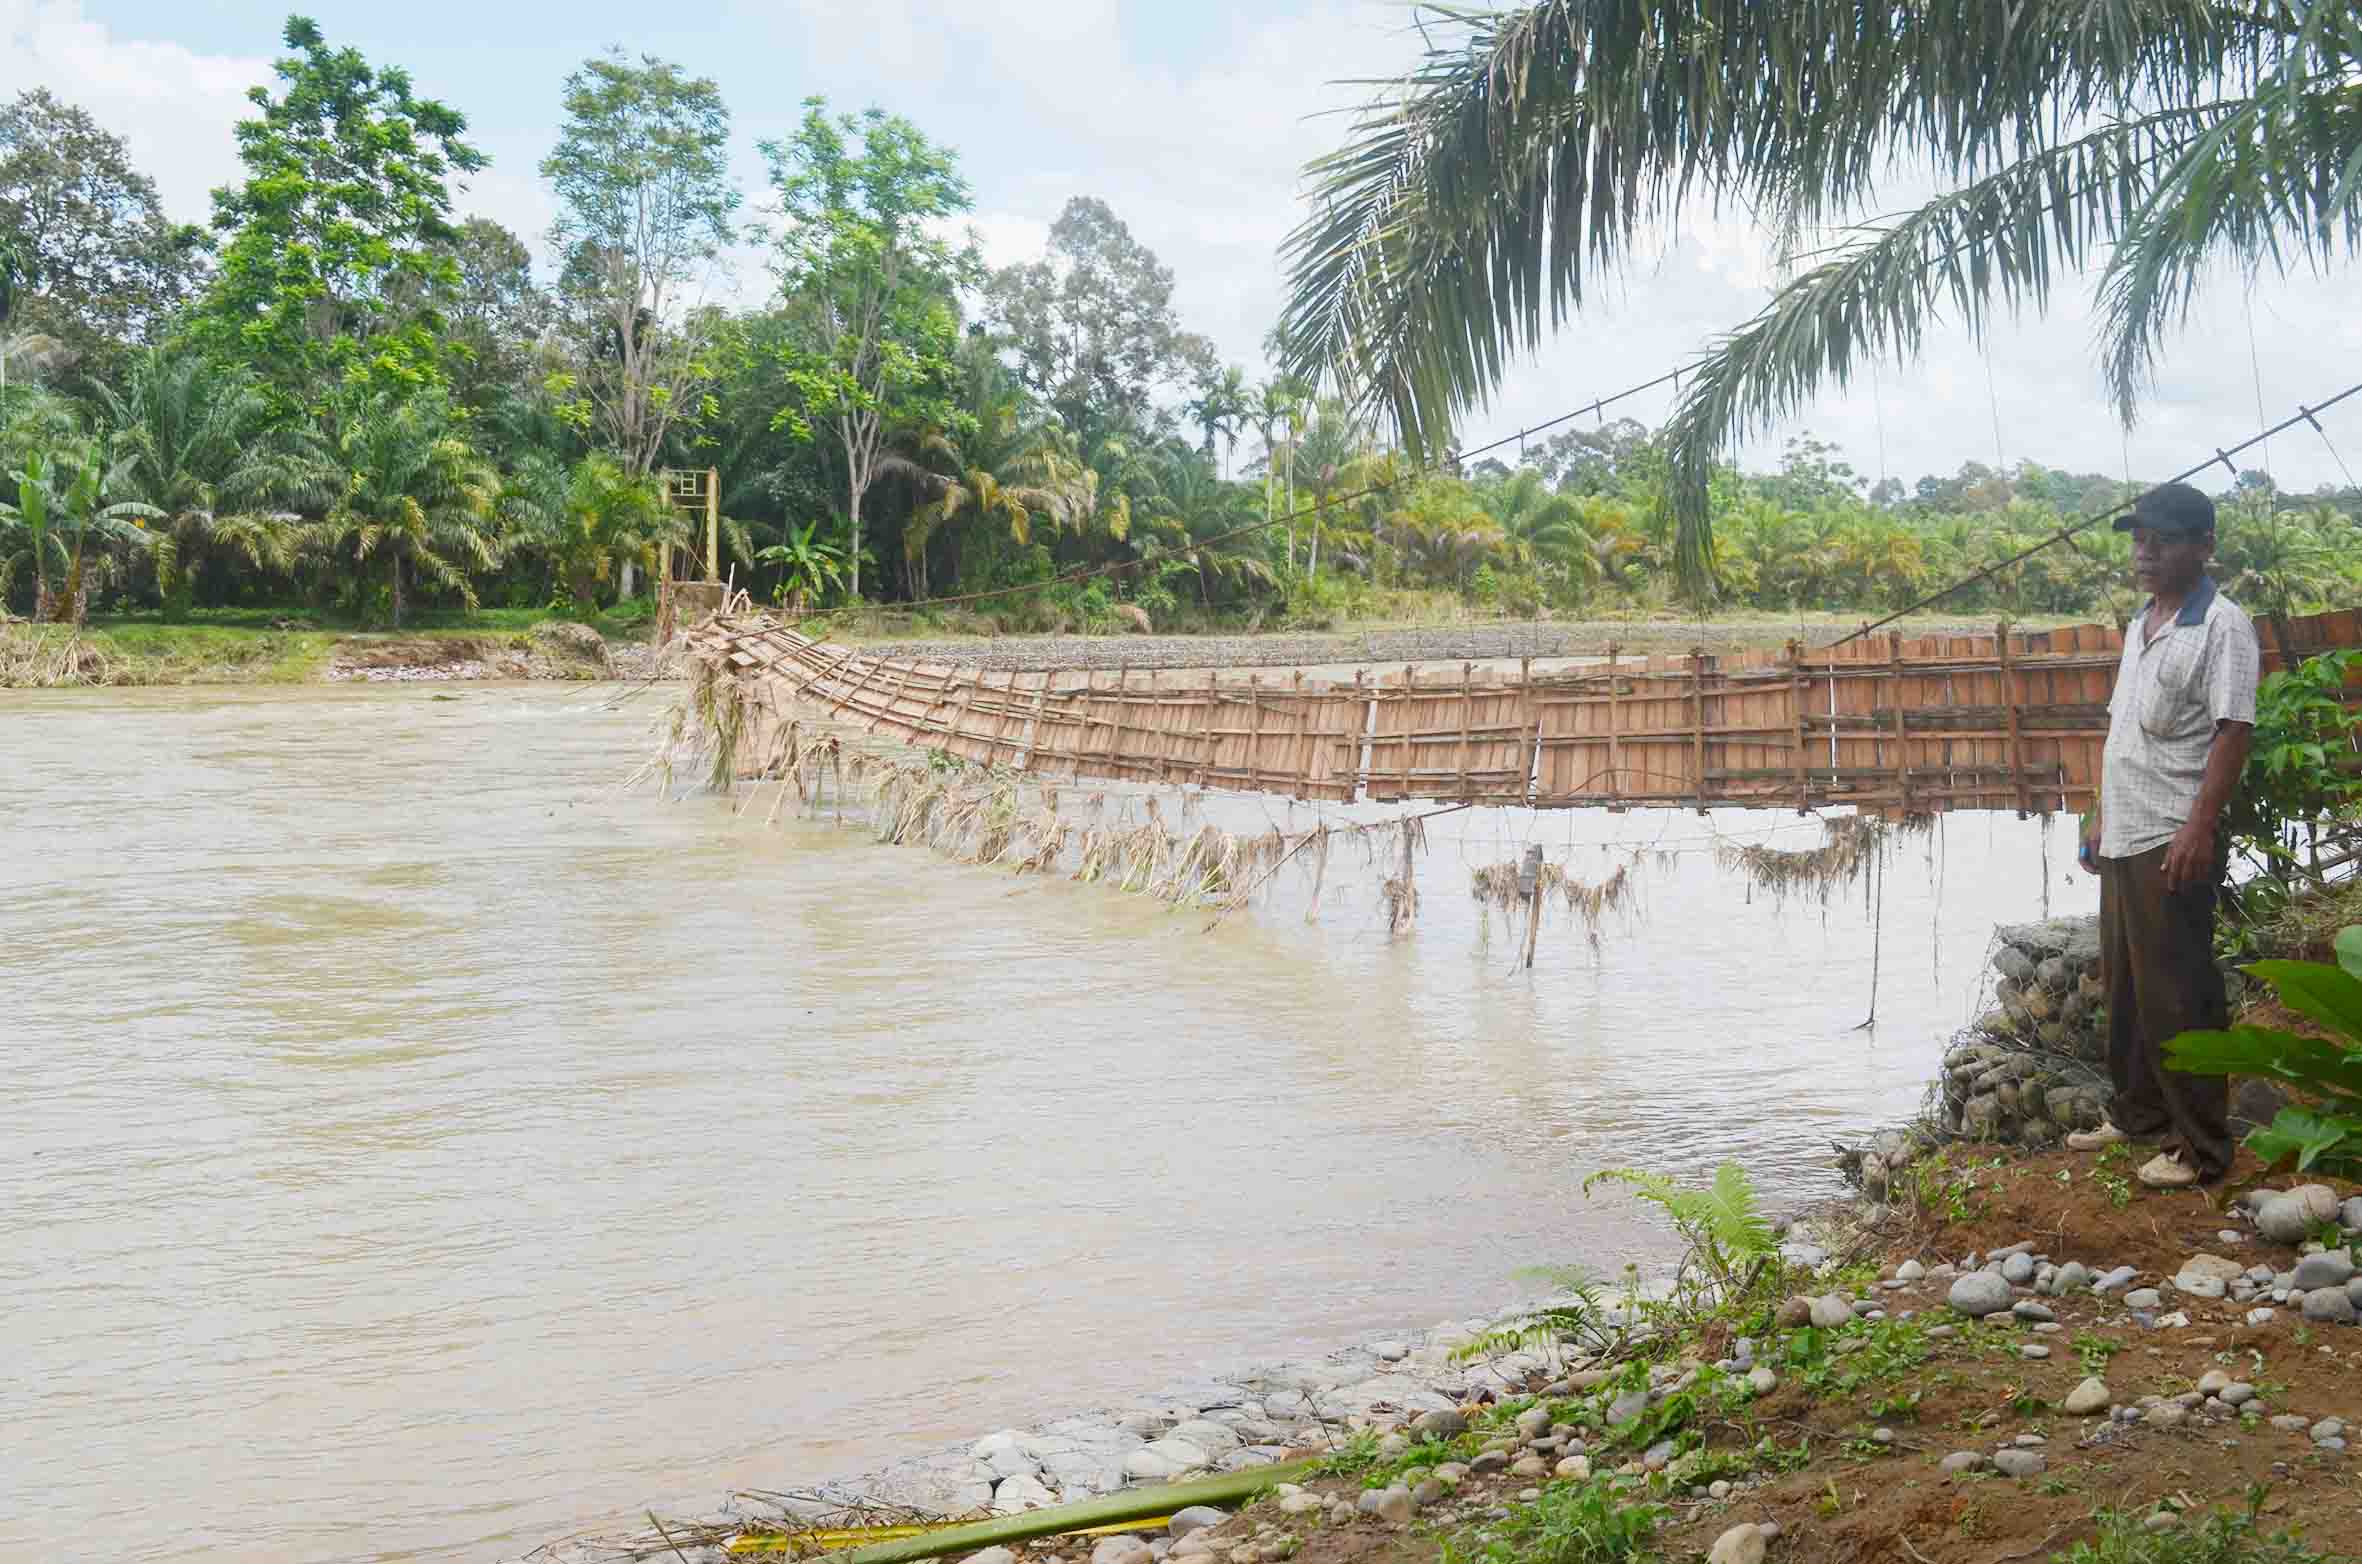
point(1476, 198)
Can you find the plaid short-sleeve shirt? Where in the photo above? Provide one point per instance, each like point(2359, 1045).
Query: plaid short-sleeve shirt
point(2170, 692)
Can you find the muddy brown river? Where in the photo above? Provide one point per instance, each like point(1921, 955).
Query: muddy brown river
point(417, 1148)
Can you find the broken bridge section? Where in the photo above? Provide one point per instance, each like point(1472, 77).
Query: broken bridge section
point(2014, 720)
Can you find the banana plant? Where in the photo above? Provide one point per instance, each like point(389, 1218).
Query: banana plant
point(86, 481)
point(807, 566)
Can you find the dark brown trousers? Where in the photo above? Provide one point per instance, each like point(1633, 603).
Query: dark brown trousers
point(2157, 948)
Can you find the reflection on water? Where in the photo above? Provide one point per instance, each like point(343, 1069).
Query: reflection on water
point(417, 1148)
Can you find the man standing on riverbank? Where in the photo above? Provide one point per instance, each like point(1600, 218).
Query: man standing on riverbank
point(2179, 725)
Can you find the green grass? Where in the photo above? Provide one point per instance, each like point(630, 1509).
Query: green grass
point(1569, 1524)
point(2220, 1538)
point(618, 622)
point(214, 654)
point(264, 645)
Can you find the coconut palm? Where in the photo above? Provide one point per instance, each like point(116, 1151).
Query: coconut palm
point(1538, 147)
point(194, 440)
point(1220, 409)
point(410, 491)
point(2278, 561)
point(1442, 533)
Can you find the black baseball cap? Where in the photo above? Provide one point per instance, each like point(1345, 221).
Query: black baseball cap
point(2173, 508)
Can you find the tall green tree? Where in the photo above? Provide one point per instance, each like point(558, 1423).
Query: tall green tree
point(1537, 148)
point(102, 267)
point(645, 208)
point(337, 263)
point(1092, 327)
point(862, 258)
point(494, 315)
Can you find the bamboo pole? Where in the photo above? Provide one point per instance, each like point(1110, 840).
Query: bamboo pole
point(1529, 885)
point(2009, 699)
point(1133, 1504)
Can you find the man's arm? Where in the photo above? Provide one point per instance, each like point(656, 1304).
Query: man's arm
point(2088, 853)
point(2189, 858)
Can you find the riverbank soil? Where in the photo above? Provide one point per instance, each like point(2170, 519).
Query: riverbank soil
point(2121, 1418)
point(272, 647)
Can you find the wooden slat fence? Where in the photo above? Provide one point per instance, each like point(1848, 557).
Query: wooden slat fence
point(2014, 720)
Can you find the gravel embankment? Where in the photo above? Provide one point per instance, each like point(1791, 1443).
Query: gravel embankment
point(1375, 647)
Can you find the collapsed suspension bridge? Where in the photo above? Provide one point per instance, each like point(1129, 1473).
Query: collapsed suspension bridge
point(2014, 720)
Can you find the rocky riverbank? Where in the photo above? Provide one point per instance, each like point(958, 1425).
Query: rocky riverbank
point(553, 649)
point(1259, 1416)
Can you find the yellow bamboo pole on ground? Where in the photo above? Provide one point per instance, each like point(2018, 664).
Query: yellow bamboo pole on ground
point(1129, 1510)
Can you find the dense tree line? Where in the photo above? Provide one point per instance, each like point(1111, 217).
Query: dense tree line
point(344, 395)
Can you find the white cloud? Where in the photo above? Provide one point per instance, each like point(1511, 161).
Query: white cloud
point(176, 109)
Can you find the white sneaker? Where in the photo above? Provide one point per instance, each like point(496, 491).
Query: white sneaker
point(2097, 1140)
point(2167, 1170)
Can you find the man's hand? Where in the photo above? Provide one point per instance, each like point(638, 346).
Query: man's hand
point(2189, 858)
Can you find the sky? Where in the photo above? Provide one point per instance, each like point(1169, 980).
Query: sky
point(1192, 119)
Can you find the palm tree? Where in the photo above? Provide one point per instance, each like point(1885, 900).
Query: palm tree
point(1273, 409)
point(1220, 408)
point(1539, 146)
point(194, 440)
point(611, 522)
point(1441, 530)
point(1538, 526)
point(2278, 561)
point(1192, 505)
point(983, 474)
point(410, 490)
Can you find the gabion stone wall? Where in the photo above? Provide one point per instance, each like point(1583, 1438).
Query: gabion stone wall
point(2034, 1066)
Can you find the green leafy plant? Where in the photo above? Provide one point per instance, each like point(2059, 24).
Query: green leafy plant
point(2329, 1135)
point(1579, 1318)
point(2093, 1352)
point(1723, 1226)
point(2226, 1537)
point(2294, 784)
point(807, 567)
point(1572, 1523)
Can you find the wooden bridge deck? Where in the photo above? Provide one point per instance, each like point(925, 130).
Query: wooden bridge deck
point(2011, 720)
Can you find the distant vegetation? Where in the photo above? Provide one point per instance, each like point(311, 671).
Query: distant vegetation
point(341, 398)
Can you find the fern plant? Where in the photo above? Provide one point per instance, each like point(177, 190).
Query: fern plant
point(1723, 1225)
point(1579, 1318)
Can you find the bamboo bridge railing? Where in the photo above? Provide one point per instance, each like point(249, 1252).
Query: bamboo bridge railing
point(2014, 720)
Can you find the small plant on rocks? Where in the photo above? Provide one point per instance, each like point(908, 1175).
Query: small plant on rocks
point(1572, 1523)
point(2093, 1352)
point(2223, 1538)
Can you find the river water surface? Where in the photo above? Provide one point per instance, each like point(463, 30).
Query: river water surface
point(416, 1148)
